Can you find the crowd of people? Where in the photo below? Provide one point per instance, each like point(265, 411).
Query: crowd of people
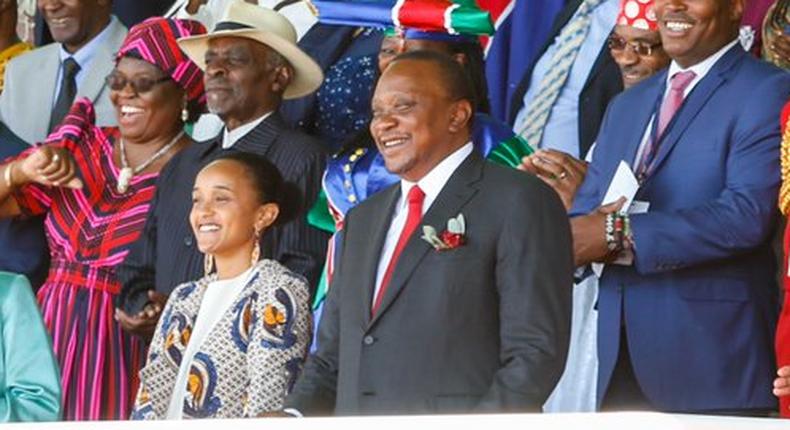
point(239, 208)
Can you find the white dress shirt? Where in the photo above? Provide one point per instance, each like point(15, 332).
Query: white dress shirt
point(230, 137)
point(431, 184)
point(219, 296)
point(700, 70)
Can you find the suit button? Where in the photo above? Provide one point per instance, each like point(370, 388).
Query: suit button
point(368, 340)
point(188, 240)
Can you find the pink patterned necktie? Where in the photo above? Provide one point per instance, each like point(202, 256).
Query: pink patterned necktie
point(673, 101)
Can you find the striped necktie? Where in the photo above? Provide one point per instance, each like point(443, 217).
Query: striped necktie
point(568, 43)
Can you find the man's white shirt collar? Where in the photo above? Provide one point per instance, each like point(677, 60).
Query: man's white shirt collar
point(433, 183)
point(230, 137)
point(700, 69)
point(85, 54)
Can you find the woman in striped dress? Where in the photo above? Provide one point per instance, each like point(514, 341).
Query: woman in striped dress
point(95, 186)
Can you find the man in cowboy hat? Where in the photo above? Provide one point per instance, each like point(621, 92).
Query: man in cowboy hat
point(251, 65)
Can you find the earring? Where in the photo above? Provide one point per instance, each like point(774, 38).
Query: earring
point(256, 249)
point(208, 264)
point(184, 114)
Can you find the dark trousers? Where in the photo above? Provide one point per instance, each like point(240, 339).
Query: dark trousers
point(624, 393)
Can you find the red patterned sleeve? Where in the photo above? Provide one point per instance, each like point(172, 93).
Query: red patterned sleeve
point(782, 341)
point(76, 131)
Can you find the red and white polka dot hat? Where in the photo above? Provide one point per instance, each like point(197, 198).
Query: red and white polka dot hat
point(638, 14)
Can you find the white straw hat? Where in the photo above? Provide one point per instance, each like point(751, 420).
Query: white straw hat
point(266, 26)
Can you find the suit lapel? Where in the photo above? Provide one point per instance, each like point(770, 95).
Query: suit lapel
point(698, 97)
point(458, 190)
point(643, 113)
point(368, 261)
point(261, 138)
point(102, 63)
point(48, 64)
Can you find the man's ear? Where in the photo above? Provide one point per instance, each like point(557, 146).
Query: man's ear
point(460, 116)
point(283, 76)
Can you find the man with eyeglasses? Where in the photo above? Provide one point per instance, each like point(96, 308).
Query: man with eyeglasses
point(40, 87)
point(635, 43)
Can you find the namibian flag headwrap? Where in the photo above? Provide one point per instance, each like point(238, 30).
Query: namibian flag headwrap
point(454, 17)
point(154, 41)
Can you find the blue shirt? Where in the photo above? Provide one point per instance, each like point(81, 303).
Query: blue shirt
point(83, 57)
point(562, 129)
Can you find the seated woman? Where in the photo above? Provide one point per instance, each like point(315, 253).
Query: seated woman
point(231, 344)
point(94, 185)
point(29, 377)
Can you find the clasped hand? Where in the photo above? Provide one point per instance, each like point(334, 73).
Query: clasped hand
point(50, 166)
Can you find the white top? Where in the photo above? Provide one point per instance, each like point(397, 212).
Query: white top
point(700, 69)
point(431, 184)
point(230, 137)
point(219, 296)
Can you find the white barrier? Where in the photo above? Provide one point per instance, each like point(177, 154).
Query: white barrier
point(586, 421)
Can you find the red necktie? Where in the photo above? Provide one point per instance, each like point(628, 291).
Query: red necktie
point(415, 198)
point(671, 104)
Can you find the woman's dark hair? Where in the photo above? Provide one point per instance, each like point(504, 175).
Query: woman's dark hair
point(269, 184)
point(475, 69)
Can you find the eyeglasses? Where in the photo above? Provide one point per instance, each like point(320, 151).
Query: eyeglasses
point(618, 44)
point(117, 82)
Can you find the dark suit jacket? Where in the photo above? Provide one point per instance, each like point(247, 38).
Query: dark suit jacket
point(481, 327)
point(22, 240)
point(166, 254)
point(699, 302)
point(603, 83)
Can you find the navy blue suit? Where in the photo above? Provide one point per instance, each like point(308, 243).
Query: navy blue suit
point(698, 304)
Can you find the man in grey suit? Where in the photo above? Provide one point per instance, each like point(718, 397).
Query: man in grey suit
point(41, 85)
point(39, 89)
point(423, 319)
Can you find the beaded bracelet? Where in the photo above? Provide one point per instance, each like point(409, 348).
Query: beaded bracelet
point(618, 232)
point(611, 236)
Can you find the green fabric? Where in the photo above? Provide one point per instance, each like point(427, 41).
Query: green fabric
point(29, 375)
point(511, 151)
point(471, 20)
point(320, 292)
point(319, 216)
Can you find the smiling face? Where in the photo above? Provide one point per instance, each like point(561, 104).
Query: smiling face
point(692, 30)
point(416, 126)
point(242, 80)
point(75, 22)
point(226, 211)
point(634, 67)
point(143, 117)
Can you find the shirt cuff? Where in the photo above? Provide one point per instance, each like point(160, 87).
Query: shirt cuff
point(293, 412)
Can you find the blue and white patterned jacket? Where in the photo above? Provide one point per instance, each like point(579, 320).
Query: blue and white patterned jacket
point(248, 362)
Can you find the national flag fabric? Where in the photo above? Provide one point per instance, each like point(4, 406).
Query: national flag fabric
point(522, 28)
point(454, 17)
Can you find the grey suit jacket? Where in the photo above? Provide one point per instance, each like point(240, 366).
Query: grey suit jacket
point(30, 80)
point(482, 327)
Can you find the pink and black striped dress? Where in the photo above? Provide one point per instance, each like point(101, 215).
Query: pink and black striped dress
point(89, 231)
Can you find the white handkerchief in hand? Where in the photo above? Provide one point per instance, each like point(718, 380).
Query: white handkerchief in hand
point(624, 184)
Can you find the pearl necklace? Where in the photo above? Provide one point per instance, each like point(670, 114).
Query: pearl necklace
point(127, 173)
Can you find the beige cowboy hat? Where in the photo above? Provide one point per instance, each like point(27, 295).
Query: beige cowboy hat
point(266, 26)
